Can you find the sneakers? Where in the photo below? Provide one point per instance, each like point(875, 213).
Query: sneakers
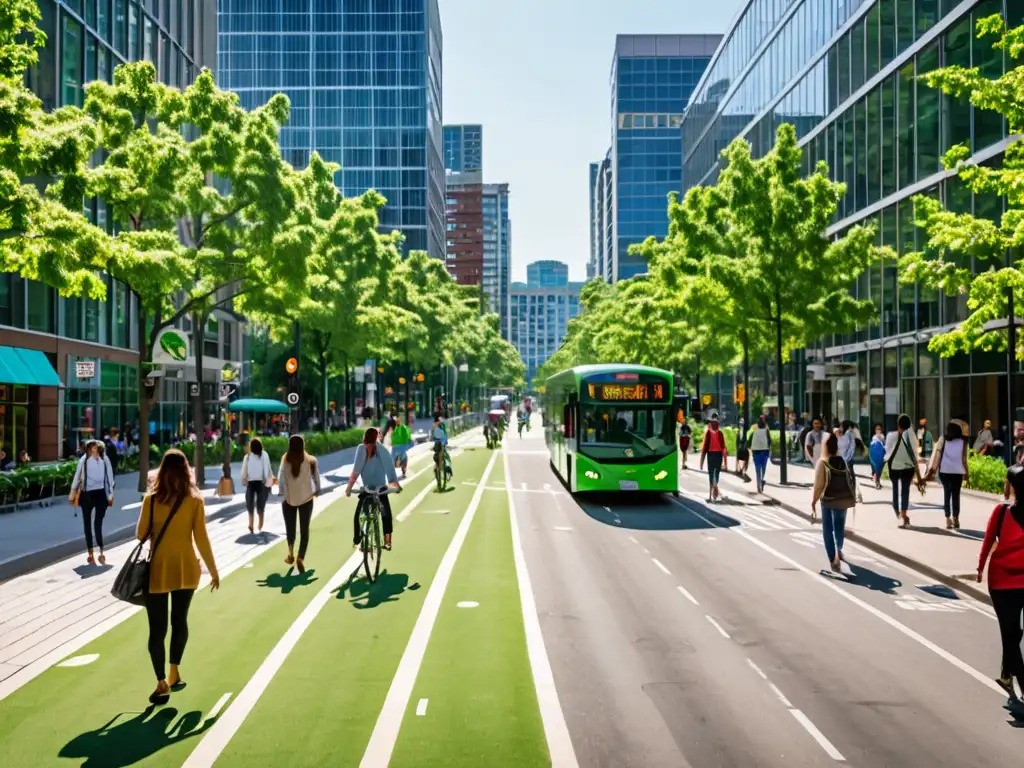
point(949, 523)
point(956, 523)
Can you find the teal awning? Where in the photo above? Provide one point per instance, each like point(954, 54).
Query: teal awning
point(258, 405)
point(26, 366)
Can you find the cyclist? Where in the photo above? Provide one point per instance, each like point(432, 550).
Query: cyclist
point(440, 437)
point(375, 466)
point(401, 442)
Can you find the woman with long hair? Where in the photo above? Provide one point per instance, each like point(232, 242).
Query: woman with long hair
point(257, 477)
point(1004, 539)
point(949, 463)
point(374, 464)
point(835, 489)
point(299, 480)
point(93, 490)
point(714, 450)
point(175, 514)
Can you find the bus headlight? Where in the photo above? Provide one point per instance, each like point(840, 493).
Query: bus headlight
point(661, 475)
point(592, 474)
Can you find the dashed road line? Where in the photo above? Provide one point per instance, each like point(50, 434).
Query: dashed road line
point(658, 563)
point(687, 595)
point(717, 626)
point(817, 735)
point(633, 539)
point(757, 669)
point(781, 697)
point(421, 708)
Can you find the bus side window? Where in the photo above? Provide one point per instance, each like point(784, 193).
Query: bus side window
point(568, 426)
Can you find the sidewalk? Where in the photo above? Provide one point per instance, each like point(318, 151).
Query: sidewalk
point(948, 556)
point(36, 536)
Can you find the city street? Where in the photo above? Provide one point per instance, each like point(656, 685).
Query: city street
point(514, 625)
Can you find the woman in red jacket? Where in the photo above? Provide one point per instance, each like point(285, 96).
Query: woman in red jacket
point(1006, 579)
point(713, 449)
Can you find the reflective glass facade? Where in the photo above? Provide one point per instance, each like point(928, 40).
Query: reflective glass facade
point(463, 149)
point(846, 74)
point(364, 79)
point(497, 240)
point(541, 310)
point(652, 79)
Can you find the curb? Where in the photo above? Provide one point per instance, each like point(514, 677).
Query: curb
point(950, 581)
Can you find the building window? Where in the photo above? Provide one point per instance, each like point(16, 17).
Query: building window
point(40, 307)
point(211, 337)
point(71, 64)
point(229, 332)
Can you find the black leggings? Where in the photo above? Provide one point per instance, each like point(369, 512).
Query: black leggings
point(94, 501)
point(1009, 605)
point(256, 496)
point(385, 516)
point(156, 612)
point(305, 514)
point(952, 482)
point(901, 480)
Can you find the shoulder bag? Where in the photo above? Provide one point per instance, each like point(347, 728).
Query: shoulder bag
point(132, 583)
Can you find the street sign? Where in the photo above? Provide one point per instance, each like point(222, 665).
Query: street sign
point(293, 398)
point(706, 399)
point(85, 369)
point(193, 390)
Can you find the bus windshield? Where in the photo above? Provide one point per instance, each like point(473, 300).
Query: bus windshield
point(621, 434)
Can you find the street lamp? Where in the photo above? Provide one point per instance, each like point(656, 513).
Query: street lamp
point(1011, 326)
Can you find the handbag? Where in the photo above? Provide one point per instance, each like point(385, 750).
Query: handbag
point(132, 582)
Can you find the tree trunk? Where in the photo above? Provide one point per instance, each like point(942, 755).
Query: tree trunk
point(746, 388)
point(198, 420)
point(143, 484)
point(783, 478)
point(696, 386)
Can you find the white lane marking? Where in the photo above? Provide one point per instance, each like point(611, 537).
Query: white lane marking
point(435, 511)
point(216, 739)
point(555, 730)
point(467, 604)
point(79, 661)
point(687, 595)
point(547, 486)
point(527, 453)
point(881, 615)
point(817, 735)
point(781, 697)
point(647, 551)
point(249, 565)
point(631, 538)
point(417, 500)
point(718, 626)
point(523, 486)
point(606, 509)
point(563, 527)
point(218, 706)
point(421, 707)
point(385, 732)
point(757, 669)
point(617, 521)
point(658, 563)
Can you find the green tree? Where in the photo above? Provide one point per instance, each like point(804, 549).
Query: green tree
point(953, 238)
point(790, 274)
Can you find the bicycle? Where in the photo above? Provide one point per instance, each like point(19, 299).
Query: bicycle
point(372, 542)
point(440, 467)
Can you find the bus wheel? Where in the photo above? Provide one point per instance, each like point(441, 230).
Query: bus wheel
point(675, 494)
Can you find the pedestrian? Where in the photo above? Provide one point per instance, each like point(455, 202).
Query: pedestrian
point(112, 447)
point(847, 440)
point(924, 439)
point(812, 442)
point(761, 445)
point(92, 489)
point(401, 439)
point(375, 466)
point(983, 443)
point(876, 453)
point(833, 487)
point(685, 436)
point(713, 449)
point(257, 477)
point(1004, 540)
point(949, 463)
point(742, 452)
point(173, 516)
point(901, 458)
point(299, 481)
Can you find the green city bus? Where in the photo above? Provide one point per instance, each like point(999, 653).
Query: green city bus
point(612, 428)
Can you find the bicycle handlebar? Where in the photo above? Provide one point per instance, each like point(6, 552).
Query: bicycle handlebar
point(376, 492)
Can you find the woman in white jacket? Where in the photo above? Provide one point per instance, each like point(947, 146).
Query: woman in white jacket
point(93, 489)
point(257, 477)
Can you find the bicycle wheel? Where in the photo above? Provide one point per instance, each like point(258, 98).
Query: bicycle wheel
point(370, 564)
point(378, 544)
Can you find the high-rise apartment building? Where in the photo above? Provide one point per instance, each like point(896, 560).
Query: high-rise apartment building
point(847, 74)
point(68, 367)
point(463, 153)
point(602, 232)
point(652, 78)
point(541, 310)
point(364, 79)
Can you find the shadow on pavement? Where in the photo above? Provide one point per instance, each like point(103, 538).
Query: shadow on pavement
point(257, 538)
point(128, 742)
point(87, 571)
point(288, 581)
point(386, 589)
point(935, 530)
point(876, 582)
point(651, 512)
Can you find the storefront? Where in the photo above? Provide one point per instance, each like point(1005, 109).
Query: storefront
point(29, 388)
point(99, 394)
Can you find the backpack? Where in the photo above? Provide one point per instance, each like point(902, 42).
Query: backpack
point(839, 492)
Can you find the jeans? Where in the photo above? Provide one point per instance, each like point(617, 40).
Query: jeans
point(714, 467)
point(305, 513)
point(385, 518)
point(760, 466)
point(901, 480)
point(156, 612)
point(93, 502)
point(1009, 605)
point(256, 493)
point(952, 482)
point(833, 528)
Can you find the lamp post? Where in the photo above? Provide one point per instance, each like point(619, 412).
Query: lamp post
point(1011, 323)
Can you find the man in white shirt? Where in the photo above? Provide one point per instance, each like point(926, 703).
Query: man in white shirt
point(901, 458)
point(814, 441)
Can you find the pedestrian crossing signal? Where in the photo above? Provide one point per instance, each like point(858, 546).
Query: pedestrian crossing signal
point(292, 365)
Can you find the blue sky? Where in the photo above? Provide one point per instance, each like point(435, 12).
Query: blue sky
point(535, 73)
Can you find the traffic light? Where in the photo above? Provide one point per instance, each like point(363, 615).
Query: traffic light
point(291, 367)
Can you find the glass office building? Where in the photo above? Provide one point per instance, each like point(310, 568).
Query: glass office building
point(364, 79)
point(541, 310)
point(463, 151)
point(846, 74)
point(50, 403)
point(652, 78)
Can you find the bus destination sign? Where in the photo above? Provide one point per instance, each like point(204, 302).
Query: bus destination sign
point(628, 393)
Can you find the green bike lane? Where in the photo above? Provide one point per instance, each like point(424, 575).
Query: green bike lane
point(97, 714)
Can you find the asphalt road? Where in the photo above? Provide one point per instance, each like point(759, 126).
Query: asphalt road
point(683, 635)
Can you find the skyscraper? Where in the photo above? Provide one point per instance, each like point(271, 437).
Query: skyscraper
point(364, 79)
point(602, 236)
point(652, 78)
point(463, 153)
point(540, 312)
